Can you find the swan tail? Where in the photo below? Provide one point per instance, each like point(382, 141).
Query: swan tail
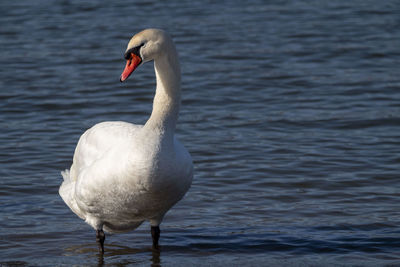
point(67, 193)
point(65, 175)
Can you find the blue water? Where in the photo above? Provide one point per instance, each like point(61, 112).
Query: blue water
point(291, 111)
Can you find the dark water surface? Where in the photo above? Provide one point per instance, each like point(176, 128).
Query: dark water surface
point(291, 111)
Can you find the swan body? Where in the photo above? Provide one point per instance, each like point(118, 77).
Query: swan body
point(123, 174)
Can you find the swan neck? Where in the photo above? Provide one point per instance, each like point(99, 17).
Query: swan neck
point(168, 96)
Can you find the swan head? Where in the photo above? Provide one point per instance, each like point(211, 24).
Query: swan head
point(144, 46)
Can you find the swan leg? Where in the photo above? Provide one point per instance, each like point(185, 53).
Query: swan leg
point(100, 237)
point(155, 234)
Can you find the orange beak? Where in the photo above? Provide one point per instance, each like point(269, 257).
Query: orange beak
point(131, 65)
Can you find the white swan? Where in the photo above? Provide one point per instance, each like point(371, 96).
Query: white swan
point(123, 174)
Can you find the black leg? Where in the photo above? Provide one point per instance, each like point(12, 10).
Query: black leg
point(100, 237)
point(155, 234)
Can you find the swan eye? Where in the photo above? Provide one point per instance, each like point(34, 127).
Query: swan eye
point(135, 50)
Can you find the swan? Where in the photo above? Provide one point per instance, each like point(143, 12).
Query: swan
point(124, 174)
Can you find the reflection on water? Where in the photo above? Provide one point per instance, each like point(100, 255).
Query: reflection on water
point(290, 111)
point(115, 251)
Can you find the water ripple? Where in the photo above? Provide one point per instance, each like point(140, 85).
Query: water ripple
point(290, 111)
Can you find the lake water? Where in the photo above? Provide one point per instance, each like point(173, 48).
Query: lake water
point(290, 109)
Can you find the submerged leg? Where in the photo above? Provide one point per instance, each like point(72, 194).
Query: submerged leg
point(155, 234)
point(100, 237)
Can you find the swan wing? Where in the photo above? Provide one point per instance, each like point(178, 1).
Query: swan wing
point(93, 147)
point(99, 140)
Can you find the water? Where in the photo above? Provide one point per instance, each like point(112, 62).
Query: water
point(291, 111)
